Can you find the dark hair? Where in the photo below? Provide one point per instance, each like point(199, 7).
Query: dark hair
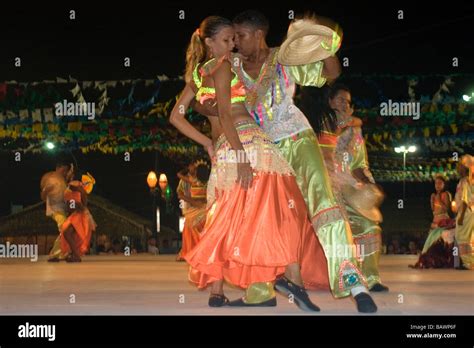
point(440, 177)
point(253, 18)
point(202, 173)
point(336, 88)
point(197, 50)
point(63, 163)
point(314, 103)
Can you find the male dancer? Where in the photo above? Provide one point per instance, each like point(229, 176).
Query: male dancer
point(270, 87)
point(52, 185)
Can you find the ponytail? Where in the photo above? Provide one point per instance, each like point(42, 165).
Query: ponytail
point(195, 54)
point(197, 51)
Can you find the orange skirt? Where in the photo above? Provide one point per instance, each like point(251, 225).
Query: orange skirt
point(252, 235)
point(193, 225)
point(84, 225)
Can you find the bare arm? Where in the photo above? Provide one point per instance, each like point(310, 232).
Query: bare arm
point(331, 68)
point(45, 190)
point(446, 200)
point(178, 119)
point(355, 122)
point(222, 80)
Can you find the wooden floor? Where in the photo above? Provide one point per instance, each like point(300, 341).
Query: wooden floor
point(157, 285)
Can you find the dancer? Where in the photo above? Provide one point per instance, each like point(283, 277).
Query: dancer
point(53, 184)
point(345, 155)
point(270, 87)
point(192, 192)
point(76, 231)
point(438, 250)
point(254, 228)
point(440, 202)
point(464, 199)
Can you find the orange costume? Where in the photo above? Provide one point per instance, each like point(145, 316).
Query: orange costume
point(195, 217)
point(250, 236)
point(80, 218)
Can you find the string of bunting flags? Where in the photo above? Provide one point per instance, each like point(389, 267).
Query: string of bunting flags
point(132, 115)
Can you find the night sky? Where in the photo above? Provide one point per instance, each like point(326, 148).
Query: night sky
point(94, 44)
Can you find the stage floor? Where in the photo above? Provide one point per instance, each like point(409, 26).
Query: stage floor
point(157, 285)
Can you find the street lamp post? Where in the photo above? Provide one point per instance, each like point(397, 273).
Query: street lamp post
point(152, 180)
point(405, 150)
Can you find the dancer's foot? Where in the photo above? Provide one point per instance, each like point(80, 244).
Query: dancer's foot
point(365, 304)
point(241, 303)
point(378, 287)
point(72, 258)
point(180, 259)
point(462, 268)
point(54, 259)
point(302, 300)
point(217, 300)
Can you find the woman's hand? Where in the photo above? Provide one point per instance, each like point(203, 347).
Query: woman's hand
point(244, 174)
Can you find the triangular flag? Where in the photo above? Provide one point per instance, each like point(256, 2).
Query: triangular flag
point(76, 90)
point(24, 114)
point(36, 115)
point(48, 115)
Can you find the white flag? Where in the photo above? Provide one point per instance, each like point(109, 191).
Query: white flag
point(36, 115)
point(48, 115)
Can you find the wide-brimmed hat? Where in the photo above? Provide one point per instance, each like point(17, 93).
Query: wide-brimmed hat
point(308, 42)
point(365, 200)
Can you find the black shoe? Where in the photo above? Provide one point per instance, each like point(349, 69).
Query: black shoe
point(54, 259)
point(216, 300)
point(378, 287)
point(71, 258)
point(365, 304)
point(240, 303)
point(462, 268)
point(302, 300)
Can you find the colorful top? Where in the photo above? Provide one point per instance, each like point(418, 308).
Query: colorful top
point(198, 190)
point(439, 208)
point(237, 88)
point(270, 96)
point(351, 152)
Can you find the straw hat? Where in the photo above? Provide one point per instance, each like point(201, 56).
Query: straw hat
point(365, 200)
point(308, 42)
